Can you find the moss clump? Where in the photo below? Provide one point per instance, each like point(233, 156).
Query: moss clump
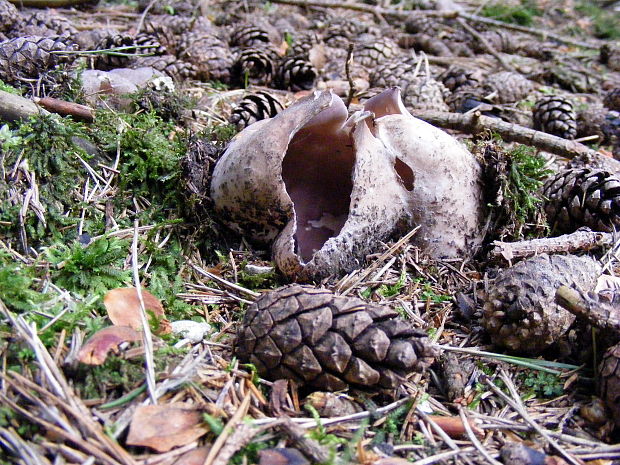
point(522, 14)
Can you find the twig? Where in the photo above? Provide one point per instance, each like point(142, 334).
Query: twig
point(474, 440)
point(580, 240)
point(143, 15)
point(475, 123)
point(224, 282)
point(240, 438)
point(347, 68)
point(64, 108)
point(309, 447)
point(485, 43)
point(601, 314)
point(438, 14)
point(442, 456)
point(147, 337)
point(228, 429)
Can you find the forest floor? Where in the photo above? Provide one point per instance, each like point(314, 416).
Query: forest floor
point(121, 200)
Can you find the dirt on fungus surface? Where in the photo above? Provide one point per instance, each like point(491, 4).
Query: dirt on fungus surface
point(107, 225)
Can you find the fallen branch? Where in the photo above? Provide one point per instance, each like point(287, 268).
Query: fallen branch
point(438, 14)
point(64, 108)
point(580, 240)
point(599, 313)
point(485, 43)
point(475, 123)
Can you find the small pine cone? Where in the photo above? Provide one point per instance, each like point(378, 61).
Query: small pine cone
point(106, 61)
point(167, 64)
point(465, 98)
point(247, 35)
point(610, 55)
point(295, 73)
point(371, 53)
point(9, 16)
point(340, 31)
point(555, 115)
point(158, 37)
point(255, 65)
point(501, 41)
point(598, 121)
point(455, 78)
point(41, 23)
point(28, 57)
point(319, 339)
point(520, 312)
point(510, 87)
point(609, 381)
point(302, 43)
point(255, 107)
point(612, 99)
point(425, 93)
point(582, 197)
point(422, 25)
point(211, 56)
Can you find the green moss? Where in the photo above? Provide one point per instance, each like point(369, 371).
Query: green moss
point(16, 285)
point(522, 14)
point(605, 22)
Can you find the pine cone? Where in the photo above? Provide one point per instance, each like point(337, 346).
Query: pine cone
point(582, 197)
point(158, 39)
point(455, 78)
point(42, 23)
point(340, 31)
point(609, 381)
point(9, 16)
point(28, 57)
point(555, 115)
point(295, 73)
point(520, 312)
point(211, 56)
point(167, 64)
point(610, 55)
point(255, 66)
point(375, 52)
point(317, 338)
point(466, 98)
point(599, 121)
point(510, 87)
point(246, 35)
point(302, 43)
point(422, 24)
point(501, 41)
point(255, 107)
point(612, 99)
point(107, 61)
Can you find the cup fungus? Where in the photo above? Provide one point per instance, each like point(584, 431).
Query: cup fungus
point(324, 188)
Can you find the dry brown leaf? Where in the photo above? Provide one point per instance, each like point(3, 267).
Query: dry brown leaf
point(96, 349)
point(123, 307)
point(162, 427)
point(194, 457)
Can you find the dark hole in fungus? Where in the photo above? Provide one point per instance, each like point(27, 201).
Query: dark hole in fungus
point(317, 172)
point(405, 173)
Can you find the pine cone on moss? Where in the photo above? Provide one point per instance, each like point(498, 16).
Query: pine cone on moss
point(520, 312)
point(326, 341)
point(510, 87)
point(27, 57)
point(582, 197)
point(555, 115)
point(255, 107)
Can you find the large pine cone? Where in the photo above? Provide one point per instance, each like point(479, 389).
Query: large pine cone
point(28, 57)
point(374, 52)
point(555, 115)
point(9, 16)
point(582, 197)
point(609, 381)
point(510, 87)
point(255, 107)
point(317, 338)
point(42, 23)
point(520, 312)
point(247, 35)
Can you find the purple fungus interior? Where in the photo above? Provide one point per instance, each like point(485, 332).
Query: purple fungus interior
point(317, 172)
